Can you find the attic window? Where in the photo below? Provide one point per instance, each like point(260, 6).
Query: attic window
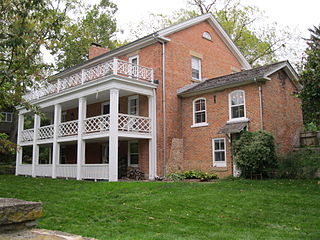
point(207, 36)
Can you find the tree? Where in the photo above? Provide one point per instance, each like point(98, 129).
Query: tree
point(96, 25)
point(310, 79)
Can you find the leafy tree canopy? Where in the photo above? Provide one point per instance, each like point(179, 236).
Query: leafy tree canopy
point(310, 79)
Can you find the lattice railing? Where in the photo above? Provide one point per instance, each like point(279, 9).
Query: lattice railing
point(134, 123)
point(45, 132)
point(115, 66)
point(26, 135)
point(97, 124)
point(68, 128)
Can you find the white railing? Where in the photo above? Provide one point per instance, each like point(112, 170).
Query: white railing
point(43, 170)
point(68, 128)
point(24, 169)
point(97, 124)
point(45, 132)
point(27, 135)
point(66, 170)
point(95, 171)
point(133, 123)
point(115, 66)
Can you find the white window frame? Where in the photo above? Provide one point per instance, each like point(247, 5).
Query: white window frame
point(131, 73)
point(129, 154)
point(219, 163)
point(207, 35)
point(202, 124)
point(134, 97)
point(5, 117)
point(239, 119)
point(200, 63)
point(103, 104)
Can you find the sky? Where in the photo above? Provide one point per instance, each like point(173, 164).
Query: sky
point(296, 14)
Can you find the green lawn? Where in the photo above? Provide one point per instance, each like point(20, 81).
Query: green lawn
point(226, 209)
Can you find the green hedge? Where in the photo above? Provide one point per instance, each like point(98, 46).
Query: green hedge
point(192, 174)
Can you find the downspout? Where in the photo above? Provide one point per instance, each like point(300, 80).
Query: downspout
point(261, 107)
point(260, 104)
point(163, 41)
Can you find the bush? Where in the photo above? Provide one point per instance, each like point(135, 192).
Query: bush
point(301, 165)
point(192, 174)
point(310, 127)
point(254, 153)
point(176, 176)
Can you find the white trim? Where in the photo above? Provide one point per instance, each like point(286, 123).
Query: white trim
point(129, 154)
point(219, 163)
point(241, 119)
point(133, 97)
point(199, 125)
point(193, 113)
point(133, 57)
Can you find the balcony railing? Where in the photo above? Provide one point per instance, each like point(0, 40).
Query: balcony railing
point(97, 124)
point(115, 66)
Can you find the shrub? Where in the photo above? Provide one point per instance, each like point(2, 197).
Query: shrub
point(254, 153)
point(176, 176)
point(310, 127)
point(192, 174)
point(301, 164)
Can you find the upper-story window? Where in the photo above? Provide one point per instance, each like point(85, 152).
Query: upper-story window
point(6, 117)
point(133, 105)
point(133, 69)
point(207, 36)
point(199, 112)
point(196, 68)
point(237, 108)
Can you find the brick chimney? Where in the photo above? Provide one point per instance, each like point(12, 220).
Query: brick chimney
point(96, 50)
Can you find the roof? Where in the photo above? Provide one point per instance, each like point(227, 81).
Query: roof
point(240, 78)
point(233, 127)
point(160, 35)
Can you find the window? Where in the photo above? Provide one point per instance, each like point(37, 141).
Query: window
point(237, 105)
point(105, 153)
point(196, 68)
point(219, 152)
point(64, 117)
point(207, 36)
point(6, 117)
point(133, 152)
point(133, 105)
point(199, 112)
point(133, 68)
point(105, 108)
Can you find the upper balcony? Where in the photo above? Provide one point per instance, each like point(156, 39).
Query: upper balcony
point(83, 76)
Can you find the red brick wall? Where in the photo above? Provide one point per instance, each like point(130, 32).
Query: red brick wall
point(282, 111)
point(198, 140)
point(95, 51)
point(281, 116)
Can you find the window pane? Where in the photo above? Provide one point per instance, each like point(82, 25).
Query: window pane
point(237, 112)
point(134, 159)
point(222, 145)
point(195, 67)
point(216, 145)
point(197, 105)
point(237, 98)
point(106, 109)
point(195, 74)
point(219, 156)
point(134, 147)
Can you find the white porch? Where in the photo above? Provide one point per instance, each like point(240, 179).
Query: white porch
point(110, 127)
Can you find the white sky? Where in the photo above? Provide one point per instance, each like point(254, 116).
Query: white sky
point(293, 13)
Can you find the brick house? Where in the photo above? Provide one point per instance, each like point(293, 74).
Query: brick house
point(170, 101)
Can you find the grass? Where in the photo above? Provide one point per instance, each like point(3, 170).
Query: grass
point(226, 209)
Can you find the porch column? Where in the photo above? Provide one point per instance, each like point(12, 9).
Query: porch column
point(153, 141)
point(19, 148)
point(35, 148)
point(113, 135)
point(55, 144)
point(81, 151)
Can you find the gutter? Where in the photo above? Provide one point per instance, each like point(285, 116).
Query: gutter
point(163, 42)
point(261, 103)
